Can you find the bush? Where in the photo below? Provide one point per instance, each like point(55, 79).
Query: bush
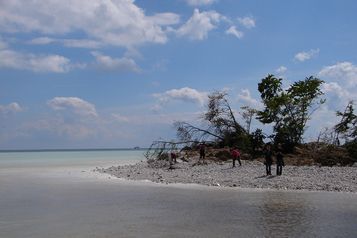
point(333, 155)
point(352, 150)
point(223, 155)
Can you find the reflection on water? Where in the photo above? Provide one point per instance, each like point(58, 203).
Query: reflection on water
point(284, 215)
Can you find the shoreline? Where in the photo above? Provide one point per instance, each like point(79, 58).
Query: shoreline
point(251, 175)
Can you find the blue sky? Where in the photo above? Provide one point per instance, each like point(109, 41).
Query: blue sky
point(118, 73)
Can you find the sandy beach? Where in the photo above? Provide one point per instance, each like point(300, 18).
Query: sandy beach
point(250, 175)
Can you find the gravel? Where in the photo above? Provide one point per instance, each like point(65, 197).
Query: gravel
point(250, 175)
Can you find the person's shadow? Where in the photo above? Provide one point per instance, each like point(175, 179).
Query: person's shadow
point(266, 176)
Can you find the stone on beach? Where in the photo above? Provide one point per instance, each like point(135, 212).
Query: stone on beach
point(250, 175)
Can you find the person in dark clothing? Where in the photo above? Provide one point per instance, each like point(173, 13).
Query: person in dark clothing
point(173, 156)
point(279, 163)
point(268, 154)
point(235, 156)
point(202, 151)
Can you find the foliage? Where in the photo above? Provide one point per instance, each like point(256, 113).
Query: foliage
point(331, 155)
point(348, 124)
point(351, 147)
point(248, 114)
point(222, 125)
point(288, 109)
point(223, 155)
point(256, 142)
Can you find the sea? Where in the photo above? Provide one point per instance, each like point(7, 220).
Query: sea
point(45, 194)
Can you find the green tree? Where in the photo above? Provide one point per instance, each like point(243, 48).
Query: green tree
point(289, 109)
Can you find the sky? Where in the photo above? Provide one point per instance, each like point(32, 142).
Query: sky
point(118, 73)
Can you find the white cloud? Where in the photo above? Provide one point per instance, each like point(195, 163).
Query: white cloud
point(74, 43)
point(121, 64)
point(120, 118)
point(183, 94)
point(75, 104)
point(114, 22)
point(164, 19)
point(247, 22)
point(59, 128)
point(10, 108)
point(340, 84)
point(198, 26)
point(233, 31)
point(335, 88)
point(200, 2)
point(42, 41)
point(345, 72)
point(282, 69)
point(246, 97)
point(306, 55)
point(37, 63)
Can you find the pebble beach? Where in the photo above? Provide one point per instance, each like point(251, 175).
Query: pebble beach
point(250, 175)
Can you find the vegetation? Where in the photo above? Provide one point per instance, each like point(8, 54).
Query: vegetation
point(290, 109)
point(287, 109)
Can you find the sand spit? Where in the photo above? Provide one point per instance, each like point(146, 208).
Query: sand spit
point(250, 175)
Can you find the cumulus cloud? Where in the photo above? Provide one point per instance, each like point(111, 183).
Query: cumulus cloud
point(114, 22)
point(282, 69)
point(183, 94)
point(198, 26)
point(247, 22)
point(335, 88)
point(75, 104)
point(306, 55)
point(120, 64)
point(233, 31)
point(340, 83)
point(246, 97)
point(345, 72)
point(200, 2)
point(37, 63)
point(10, 108)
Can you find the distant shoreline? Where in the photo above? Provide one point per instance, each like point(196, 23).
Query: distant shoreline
point(250, 175)
point(74, 150)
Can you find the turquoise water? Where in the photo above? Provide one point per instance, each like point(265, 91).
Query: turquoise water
point(55, 159)
point(57, 194)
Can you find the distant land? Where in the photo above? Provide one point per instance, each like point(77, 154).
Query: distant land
point(69, 150)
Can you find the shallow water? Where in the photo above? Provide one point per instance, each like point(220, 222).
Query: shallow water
point(68, 200)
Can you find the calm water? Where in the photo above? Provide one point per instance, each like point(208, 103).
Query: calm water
point(55, 194)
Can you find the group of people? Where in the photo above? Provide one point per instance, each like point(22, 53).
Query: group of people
point(268, 155)
point(236, 156)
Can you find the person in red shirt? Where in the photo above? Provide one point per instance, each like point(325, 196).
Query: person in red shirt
point(236, 156)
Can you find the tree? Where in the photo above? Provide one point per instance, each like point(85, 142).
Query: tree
point(289, 109)
point(221, 123)
point(348, 124)
point(220, 127)
point(248, 114)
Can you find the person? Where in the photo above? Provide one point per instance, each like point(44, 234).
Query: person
point(268, 159)
point(173, 156)
point(236, 156)
point(202, 151)
point(279, 163)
